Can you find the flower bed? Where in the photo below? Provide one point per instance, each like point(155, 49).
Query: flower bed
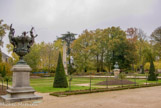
point(116, 82)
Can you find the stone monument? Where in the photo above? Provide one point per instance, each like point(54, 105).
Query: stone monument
point(21, 89)
point(65, 58)
point(68, 39)
point(116, 70)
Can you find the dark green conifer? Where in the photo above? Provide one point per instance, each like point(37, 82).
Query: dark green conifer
point(152, 76)
point(60, 80)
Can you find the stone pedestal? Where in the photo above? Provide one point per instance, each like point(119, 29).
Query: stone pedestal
point(116, 73)
point(21, 89)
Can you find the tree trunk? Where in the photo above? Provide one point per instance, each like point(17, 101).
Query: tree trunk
point(102, 62)
point(98, 70)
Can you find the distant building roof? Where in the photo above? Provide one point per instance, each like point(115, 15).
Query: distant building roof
point(5, 57)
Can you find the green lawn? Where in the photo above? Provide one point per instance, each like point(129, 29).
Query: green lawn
point(143, 81)
point(45, 84)
point(145, 74)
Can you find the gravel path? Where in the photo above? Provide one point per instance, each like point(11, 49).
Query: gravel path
point(133, 98)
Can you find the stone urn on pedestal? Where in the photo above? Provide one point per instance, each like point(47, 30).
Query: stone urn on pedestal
point(116, 70)
point(21, 89)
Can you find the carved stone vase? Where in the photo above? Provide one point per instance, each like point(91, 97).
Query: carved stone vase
point(21, 89)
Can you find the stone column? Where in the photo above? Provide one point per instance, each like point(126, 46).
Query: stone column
point(21, 89)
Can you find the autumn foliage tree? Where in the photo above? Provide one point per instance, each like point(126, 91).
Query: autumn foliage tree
point(81, 51)
point(97, 50)
point(156, 40)
point(42, 57)
point(156, 35)
point(101, 48)
point(5, 69)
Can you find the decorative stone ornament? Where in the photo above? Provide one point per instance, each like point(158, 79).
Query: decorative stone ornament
point(21, 89)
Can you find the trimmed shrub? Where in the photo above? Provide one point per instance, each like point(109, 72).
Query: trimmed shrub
point(152, 76)
point(60, 80)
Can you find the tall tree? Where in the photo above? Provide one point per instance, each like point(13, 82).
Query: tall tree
point(131, 35)
point(156, 35)
point(137, 37)
point(33, 58)
point(141, 40)
point(156, 40)
point(98, 48)
point(45, 59)
point(101, 48)
point(81, 51)
point(119, 49)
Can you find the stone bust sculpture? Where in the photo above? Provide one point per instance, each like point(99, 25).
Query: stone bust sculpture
point(116, 66)
point(21, 44)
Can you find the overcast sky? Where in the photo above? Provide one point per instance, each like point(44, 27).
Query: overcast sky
point(52, 18)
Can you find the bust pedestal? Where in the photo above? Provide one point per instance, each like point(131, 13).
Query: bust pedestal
point(21, 89)
point(116, 73)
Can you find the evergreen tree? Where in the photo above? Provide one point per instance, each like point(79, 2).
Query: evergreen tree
point(60, 80)
point(3, 71)
point(152, 76)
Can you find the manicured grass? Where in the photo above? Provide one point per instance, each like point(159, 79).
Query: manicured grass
point(145, 74)
point(143, 81)
point(45, 84)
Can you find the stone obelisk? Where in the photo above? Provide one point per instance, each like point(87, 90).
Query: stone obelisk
point(65, 57)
